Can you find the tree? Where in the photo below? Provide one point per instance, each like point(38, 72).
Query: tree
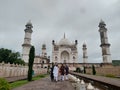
point(116, 62)
point(7, 55)
point(93, 70)
point(84, 70)
point(19, 61)
point(30, 63)
point(78, 69)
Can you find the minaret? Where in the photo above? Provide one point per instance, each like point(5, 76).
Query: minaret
point(104, 43)
point(44, 54)
point(84, 53)
point(27, 42)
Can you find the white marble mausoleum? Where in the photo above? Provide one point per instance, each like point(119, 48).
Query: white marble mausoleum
point(64, 51)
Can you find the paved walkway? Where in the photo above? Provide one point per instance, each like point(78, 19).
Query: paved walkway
point(46, 84)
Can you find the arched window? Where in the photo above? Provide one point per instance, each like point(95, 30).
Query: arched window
point(56, 58)
point(73, 58)
point(43, 62)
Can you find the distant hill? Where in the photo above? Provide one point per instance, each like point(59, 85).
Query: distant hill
point(116, 62)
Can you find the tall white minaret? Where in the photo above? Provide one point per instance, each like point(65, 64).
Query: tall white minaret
point(85, 57)
point(44, 54)
point(104, 43)
point(27, 42)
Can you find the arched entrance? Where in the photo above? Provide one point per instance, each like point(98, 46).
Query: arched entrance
point(65, 57)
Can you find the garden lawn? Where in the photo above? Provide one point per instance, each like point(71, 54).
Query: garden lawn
point(22, 82)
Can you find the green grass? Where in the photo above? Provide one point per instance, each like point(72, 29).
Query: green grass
point(110, 75)
point(39, 76)
point(22, 82)
point(18, 83)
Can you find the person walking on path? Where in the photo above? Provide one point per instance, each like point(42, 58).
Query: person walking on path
point(66, 72)
point(51, 72)
point(62, 72)
point(55, 72)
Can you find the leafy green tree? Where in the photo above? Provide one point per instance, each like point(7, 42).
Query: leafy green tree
point(116, 62)
point(93, 70)
point(30, 63)
point(7, 55)
point(19, 61)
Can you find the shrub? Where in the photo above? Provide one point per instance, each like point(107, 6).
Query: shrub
point(30, 63)
point(4, 85)
point(93, 70)
point(78, 69)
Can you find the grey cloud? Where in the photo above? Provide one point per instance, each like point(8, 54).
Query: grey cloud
point(79, 19)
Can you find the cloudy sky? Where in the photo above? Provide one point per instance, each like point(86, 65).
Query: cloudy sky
point(79, 19)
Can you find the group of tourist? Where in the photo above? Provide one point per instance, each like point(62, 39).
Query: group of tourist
point(59, 73)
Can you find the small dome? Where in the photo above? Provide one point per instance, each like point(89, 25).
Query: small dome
point(84, 44)
point(44, 46)
point(102, 24)
point(29, 23)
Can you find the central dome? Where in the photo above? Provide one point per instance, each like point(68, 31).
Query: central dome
point(64, 41)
